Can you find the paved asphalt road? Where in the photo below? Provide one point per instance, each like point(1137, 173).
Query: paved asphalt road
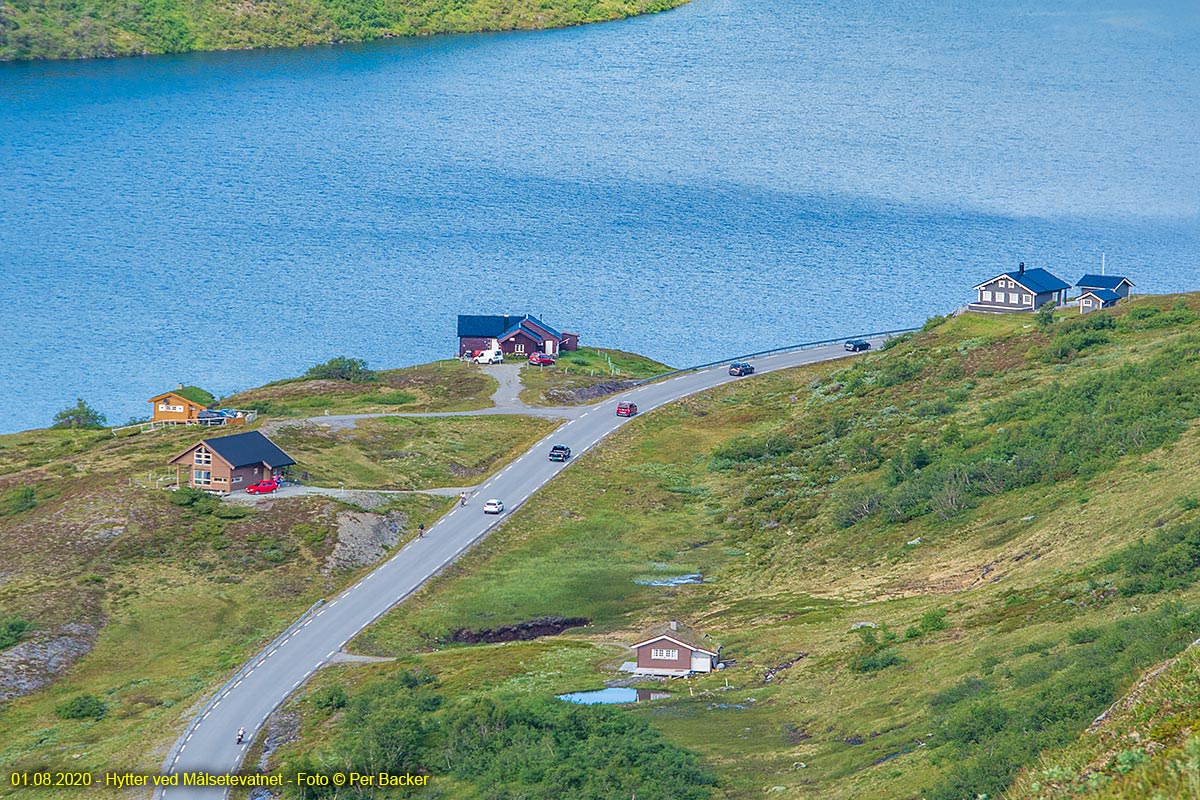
point(209, 745)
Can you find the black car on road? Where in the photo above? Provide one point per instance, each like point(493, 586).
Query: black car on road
point(740, 368)
point(854, 345)
point(560, 452)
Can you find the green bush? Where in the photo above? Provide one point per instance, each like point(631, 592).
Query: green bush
point(80, 415)
point(874, 652)
point(12, 629)
point(329, 698)
point(17, 499)
point(82, 706)
point(341, 368)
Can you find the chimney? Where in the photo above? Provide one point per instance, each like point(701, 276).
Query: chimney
point(1021, 269)
point(178, 387)
point(674, 625)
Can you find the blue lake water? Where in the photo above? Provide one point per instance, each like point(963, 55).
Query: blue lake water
point(726, 177)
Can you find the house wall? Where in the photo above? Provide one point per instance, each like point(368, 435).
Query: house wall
point(570, 341)
point(218, 475)
point(159, 411)
point(244, 476)
point(1007, 295)
point(521, 344)
point(466, 343)
point(645, 659)
point(702, 662)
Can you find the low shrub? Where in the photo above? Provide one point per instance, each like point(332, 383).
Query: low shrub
point(12, 629)
point(82, 706)
point(341, 368)
point(17, 499)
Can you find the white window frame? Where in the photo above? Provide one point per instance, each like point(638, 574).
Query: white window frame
point(664, 654)
point(199, 479)
point(238, 479)
point(518, 347)
point(987, 296)
point(202, 456)
point(1026, 299)
point(165, 407)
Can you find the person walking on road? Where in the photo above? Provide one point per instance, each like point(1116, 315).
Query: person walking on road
point(421, 531)
point(462, 499)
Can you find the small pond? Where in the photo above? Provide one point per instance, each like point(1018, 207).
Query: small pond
point(614, 695)
point(674, 580)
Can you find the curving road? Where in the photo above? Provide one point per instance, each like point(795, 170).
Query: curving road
point(209, 744)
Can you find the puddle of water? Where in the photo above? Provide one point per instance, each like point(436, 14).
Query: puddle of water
point(674, 580)
point(614, 695)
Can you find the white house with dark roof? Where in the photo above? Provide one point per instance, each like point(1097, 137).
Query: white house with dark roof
point(1023, 290)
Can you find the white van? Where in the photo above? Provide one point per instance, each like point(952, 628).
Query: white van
point(490, 357)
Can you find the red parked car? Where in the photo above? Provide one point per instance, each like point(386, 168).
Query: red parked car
point(541, 360)
point(626, 409)
point(263, 487)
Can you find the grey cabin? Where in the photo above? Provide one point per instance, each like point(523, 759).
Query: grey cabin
point(1023, 290)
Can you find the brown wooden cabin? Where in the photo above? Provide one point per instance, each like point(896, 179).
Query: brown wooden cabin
point(229, 463)
point(184, 404)
point(674, 650)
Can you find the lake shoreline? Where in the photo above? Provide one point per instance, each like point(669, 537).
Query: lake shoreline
point(38, 35)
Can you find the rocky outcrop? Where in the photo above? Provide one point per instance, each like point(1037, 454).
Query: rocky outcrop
point(364, 538)
point(44, 655)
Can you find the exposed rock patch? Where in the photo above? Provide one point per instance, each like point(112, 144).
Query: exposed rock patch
point(580, 394)
point(522, 631)
point(283, 727)
point(771, 672)
point(364, 538)
point(33, 663)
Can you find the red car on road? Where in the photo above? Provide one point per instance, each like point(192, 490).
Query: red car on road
point(626, 409)
point(541, 360)
point(263, 487)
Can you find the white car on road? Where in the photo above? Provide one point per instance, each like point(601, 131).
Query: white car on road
point(493, 506)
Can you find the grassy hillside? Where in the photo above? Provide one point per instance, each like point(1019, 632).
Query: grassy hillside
point(440, 386)
point(36, 29)
point(121, 606)
point(1013, 512)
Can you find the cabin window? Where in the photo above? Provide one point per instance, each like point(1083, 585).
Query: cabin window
point(1012, 297)
point(201, 477)
point(664, 654)
point(1026, 299)
point(238, 479)
point(987, 297)
point(165, 407)
point(202, 456)
point(518, 348)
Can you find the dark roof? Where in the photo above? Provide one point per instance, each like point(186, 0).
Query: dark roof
point(482, 326)
point(543, 326)
point(521, 327)
point(1106, 295)
point(1102, 281)
point(496, 326)
point(682, 634)
point(1036, 280)
point(244, 449)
